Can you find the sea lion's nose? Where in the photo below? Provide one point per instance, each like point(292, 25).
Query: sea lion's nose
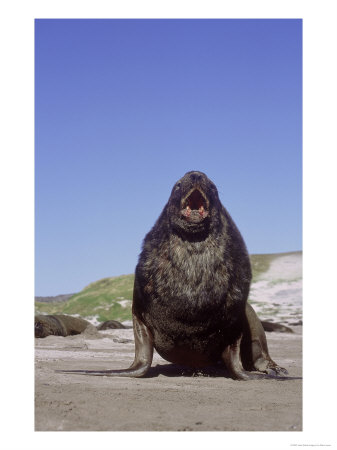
point(196, 177)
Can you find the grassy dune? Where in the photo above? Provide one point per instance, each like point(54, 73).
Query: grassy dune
point(105, 299)
point(110, 298)
point(261, 263)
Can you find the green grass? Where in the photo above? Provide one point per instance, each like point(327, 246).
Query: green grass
point(261, 263)
point(101, 298)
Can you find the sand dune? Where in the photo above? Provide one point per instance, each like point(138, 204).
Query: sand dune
point(277, 294)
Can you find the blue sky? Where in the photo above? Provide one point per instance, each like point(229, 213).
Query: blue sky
point(123, 108)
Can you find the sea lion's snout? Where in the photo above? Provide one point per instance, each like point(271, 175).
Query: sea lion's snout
point(195, 204)
point(196, 177)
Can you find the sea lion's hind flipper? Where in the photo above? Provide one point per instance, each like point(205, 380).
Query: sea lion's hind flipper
point(263, 362)
point(254, 347)
point(231, 357)
point(232, 360)
point(143, 356)
point(276, 370)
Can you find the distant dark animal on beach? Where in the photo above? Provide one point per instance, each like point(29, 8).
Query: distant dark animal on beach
point(191, 288)
point(272, 326)
point(63, 325)
point(59, 325)
point(110, 324)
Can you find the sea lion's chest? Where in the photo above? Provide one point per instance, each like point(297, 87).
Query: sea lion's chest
point(184, 300)
point(184, 280)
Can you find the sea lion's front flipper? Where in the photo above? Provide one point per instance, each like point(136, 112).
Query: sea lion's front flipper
point(254, 348)
point(143, 355)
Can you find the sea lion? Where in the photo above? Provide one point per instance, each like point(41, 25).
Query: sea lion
point(59, 325)
point(110, 324)
point(191, 288)
point(278, 327)
point(63, 325)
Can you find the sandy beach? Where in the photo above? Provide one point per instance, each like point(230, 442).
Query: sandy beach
point(170, 398)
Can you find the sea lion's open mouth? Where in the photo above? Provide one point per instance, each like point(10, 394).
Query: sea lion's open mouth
point(195, 206)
